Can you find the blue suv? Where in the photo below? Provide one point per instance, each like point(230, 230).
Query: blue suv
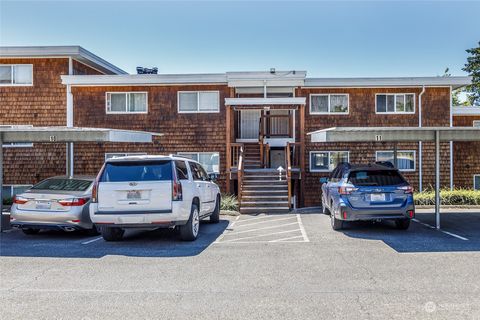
point(367, 192)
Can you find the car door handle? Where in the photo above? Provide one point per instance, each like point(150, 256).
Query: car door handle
point(198, 185)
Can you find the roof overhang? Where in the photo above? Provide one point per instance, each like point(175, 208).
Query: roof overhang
point(454, 82)
point(394, 134)
point(269, 79)
point(264, 101)
point(63, 134)
point(76, 52)
point(144, 79)
point(466, 111)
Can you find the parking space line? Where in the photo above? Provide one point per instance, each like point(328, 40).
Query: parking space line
point(93, 240)
point(261, 235)
point(245, 219)
point(264, 228)
point(264, 221)
point(302, 229)
point(443, 231)
point(228, 229)
point(289, 238)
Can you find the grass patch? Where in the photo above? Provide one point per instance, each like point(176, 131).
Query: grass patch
point(457, 197)
point(229, 202)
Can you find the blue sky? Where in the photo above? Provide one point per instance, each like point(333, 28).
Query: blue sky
point(328, 39)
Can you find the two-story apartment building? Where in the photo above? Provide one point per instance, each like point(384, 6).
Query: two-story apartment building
point(242, 125)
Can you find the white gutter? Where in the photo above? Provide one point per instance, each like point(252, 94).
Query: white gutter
point(451, 142)
point(69, 150)
point(420, 146)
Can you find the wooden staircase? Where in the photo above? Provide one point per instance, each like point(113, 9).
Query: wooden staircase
point(263, 190)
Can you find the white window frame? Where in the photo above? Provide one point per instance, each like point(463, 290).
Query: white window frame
point(476, 123)
point(183, 153)
point(124, 154)
point(329, 155)
point(12, 73)
point(11, 186)
point(395, 102)
point(329, 107)
point(474, 187)
point(398, 151)
point(17, 144)
point(198, 102)
point(127, 93)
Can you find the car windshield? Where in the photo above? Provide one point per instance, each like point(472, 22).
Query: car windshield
point(375, 178)
point(137, 171)
point(63, 185)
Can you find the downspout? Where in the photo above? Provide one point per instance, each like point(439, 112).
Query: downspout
point(420, 147)
point(69, 155)
point(451, 142)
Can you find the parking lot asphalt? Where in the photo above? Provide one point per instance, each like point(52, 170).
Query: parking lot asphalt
point(248, 267)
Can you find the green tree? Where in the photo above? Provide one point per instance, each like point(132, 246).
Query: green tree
point(473, 68)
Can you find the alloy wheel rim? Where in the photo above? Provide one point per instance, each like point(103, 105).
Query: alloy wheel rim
point(195, 222)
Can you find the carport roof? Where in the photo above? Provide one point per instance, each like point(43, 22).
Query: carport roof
point(394, 134)
point(64, 134)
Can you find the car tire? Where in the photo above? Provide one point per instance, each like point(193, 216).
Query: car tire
point(189, 231)
point(30, 231)
point(215, 216)
point(402, 224)
point(112, 234)
point(336, 223)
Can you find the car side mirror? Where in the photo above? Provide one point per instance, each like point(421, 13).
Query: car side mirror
point(323, 180)
point(213, 176)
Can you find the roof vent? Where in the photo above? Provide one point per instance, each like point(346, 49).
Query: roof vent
point(142, 70)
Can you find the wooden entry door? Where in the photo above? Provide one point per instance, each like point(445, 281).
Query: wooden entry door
point(249, 124)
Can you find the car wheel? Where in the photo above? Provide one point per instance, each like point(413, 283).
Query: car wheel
point(93, 231)
point(402, 224)
point(189, 231)
point(112, 234)
point(30, 231)
point(215, 216)
point(336, 224)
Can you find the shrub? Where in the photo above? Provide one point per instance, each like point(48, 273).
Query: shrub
point(229, 202)
point(449, 197)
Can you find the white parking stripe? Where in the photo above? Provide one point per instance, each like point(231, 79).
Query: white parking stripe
point(264, 228)
point(260, 235)
point(443, 231)
point(93, 240)
point(229, 228)
point(264, 221)
point(302, 229)
point(289, 238)
point(245, 219)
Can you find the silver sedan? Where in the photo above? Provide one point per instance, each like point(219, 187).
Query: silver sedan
point(55, 203)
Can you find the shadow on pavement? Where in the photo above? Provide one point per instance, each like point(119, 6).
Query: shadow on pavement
point(421, 238)
point(136, 243)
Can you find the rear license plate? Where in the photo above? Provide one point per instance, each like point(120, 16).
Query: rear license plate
point(377, 197)
point(43, 205)
point(134, 195)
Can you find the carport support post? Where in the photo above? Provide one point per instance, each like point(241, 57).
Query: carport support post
point(1, 182)
point(395, 155)
point(437, 179)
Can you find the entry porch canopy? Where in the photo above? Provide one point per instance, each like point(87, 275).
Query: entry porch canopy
point(402, 134)
point(63, 134)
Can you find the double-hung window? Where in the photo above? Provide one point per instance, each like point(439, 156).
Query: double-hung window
point(16, 74)
point(405, 159)
point(329, 104)
point(126, 102)
point(198, 101)
point(395, 103)
point(476, 123)
point(324, 161)
point(209, 160)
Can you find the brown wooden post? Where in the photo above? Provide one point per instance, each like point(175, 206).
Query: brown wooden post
point(302, 154)
point(229, 156)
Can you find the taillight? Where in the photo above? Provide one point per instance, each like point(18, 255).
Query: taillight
point(19, 200)
point(176, 187)
point(406, 189)
point(73, 202)
point(346, 190)
point(95, 185)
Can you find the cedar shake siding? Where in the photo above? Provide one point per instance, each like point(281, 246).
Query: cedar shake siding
point(466, 162)
point(182, 132)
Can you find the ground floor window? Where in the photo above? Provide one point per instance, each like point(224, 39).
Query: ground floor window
point(324, 161)
point(476, 182)
point(405, 159)
point(10, 190)
point(110, 155)
point(209, 160)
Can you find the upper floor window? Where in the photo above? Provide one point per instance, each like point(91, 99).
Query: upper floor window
point(328, 103)
point(126, 102)
point(17, 144)
point(395, 103)
point(16, 74)
point(198, 101)
point(476, 123)
point(324, 161)
point(405, 159)
point(209, 160)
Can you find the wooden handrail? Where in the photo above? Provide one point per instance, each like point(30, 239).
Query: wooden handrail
point(267, 155)
point(288, 166)
point(240, 175)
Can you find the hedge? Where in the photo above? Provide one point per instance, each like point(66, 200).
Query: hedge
point(449, 197)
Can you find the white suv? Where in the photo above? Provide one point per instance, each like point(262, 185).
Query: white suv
point(153, 192)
